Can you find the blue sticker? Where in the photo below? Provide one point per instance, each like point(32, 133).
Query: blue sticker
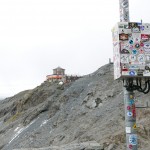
point(139, 23)
point(133, 139)
point(131, 102)
point(133, 67)
point(134, 52)
point(142, 28)
point(132, 73)
point(131, 41)
point(130, 114)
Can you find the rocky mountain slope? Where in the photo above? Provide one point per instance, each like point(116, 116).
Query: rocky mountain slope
point(82, 115)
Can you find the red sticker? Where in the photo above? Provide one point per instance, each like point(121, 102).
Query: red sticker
point(128, 107)
point(130, 146)
point(144, 36)
point(141, 44)
point(134, 113)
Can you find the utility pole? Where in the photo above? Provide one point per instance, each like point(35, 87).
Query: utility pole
point(130, 119)
point(129, 98)
point(124, 10)
point(131, 46)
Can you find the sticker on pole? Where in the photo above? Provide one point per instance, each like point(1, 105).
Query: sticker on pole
point(130, 146)
point(133, 139)
point(128, 129)
point(129, 114)
point(131, 96)
point(134, 127)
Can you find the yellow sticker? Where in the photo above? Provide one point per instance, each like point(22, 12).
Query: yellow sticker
point(131, 96)
point(134, 127)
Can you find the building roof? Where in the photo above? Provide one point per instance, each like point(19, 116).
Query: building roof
point(59, 68)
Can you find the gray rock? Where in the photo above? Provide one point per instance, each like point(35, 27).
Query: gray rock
point(71, 117)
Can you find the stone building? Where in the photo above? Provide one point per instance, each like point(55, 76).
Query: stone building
point(58, 75)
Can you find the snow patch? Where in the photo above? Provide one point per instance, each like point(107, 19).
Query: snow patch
point(17, 134)
point(19, 130)
point(43, 123)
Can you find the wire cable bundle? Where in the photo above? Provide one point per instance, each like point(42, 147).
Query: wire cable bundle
point(138, 84)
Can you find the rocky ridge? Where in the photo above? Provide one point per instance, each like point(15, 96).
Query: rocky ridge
point(82, 115)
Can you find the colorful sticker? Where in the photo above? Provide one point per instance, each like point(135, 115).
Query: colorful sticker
point(140, 72)
point(134, 52)
point(147, 58)
point(125, 73)
point(146, 73)
point(133, 139)
point(131, 102)
point(133, 67)
point(130, 41)
point(146, 47)
point(141, 58)
point(133, 25)
point(123, 36)
point(147, 68)
point(134, 113)
point(134, 127)
point(146, 27)
point(141, 51)
point(131, 96)
point(128, 107)
point(128, 129)
point(124, 51)
point(126, 26)
point(130, 146)
point(124, 67)
point(136, 30)
point(132, 73)
point(132, 58)
point(137, 45)
point(124, 58)
point(142, 28)
point(129, 114)
point(145, 36)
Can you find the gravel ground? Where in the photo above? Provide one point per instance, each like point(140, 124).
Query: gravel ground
point(71, 116)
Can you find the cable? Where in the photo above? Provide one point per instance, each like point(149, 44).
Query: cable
point(132, 85)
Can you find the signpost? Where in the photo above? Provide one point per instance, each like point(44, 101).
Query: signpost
point(131, 45)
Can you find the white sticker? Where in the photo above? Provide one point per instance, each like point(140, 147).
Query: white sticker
point(147, 27)
point(124, 59)
point(128, 129)
point(146, 73)
point(133, 139)
point(124, 73)
point(132, 58)
point(141, 58)
point(130, 114)
point(147, 47)
point(148, 57)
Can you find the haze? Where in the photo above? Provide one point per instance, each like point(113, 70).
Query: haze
point(39, 35)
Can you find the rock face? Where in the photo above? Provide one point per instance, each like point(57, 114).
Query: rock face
point(87, 114)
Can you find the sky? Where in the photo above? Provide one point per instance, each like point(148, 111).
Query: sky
point(37, 36)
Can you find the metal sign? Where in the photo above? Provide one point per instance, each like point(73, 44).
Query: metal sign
point(131, 42)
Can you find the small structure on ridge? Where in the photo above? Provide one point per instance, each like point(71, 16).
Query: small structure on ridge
point(58, 75)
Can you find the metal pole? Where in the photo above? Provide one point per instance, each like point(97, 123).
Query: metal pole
point(130, 119)
point(124, 10)
point(129, 98)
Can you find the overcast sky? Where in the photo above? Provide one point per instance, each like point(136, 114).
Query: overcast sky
point(39, 35)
